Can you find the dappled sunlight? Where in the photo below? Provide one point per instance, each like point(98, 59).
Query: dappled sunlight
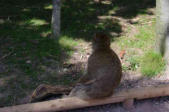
point(131, 8)
point(46, 34)
point(48, 7)
point(85, 21)
point(26, 44)
point(26, 10)
point(37, 22)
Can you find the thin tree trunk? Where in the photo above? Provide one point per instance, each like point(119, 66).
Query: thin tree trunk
point(56, 18)
point(162, 31)
point(162, 28)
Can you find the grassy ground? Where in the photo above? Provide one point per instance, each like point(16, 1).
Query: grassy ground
point(28, 57)
point(139, 43)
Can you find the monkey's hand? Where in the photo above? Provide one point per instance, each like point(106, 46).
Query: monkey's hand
point(90, 81)
point(84, 79)
point(87, 82)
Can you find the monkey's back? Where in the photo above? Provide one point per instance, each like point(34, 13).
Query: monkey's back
point(105, 67)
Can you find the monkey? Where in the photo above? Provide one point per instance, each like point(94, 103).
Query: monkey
point(104, 73)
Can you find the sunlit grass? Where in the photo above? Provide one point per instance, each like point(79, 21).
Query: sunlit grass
point(143, 40)
point(152, 64)
point(67, 44)
point(37, 22)
point(48, 6)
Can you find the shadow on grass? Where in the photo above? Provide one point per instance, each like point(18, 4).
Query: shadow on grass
point(25, 25)
point(80, 18)
point(131, 8)
point(25, 29)
point(26, 49)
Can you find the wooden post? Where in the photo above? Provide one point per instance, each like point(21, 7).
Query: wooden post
point(128, 104)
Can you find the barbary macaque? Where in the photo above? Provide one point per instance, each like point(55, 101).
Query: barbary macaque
point(104, 71)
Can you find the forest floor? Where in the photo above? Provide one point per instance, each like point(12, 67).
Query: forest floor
point(28, 56)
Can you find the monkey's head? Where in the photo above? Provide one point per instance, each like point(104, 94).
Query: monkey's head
point(100, 41)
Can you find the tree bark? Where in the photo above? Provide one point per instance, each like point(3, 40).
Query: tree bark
point(162, 28)
point(56, 18)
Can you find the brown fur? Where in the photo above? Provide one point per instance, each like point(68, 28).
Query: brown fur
point(104, 71)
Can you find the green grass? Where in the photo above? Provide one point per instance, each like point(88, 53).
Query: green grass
point(142, 40)
point(68, 44)
point(152, 64)
point(134, 63)
point(143, 58)
point(145, 38)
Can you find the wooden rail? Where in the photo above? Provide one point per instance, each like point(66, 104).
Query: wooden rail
point(74, 102)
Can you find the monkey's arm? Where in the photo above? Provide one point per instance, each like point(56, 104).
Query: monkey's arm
point(86, 79)
point(83, 79)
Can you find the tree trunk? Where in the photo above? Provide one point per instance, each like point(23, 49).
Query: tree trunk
point(162, 28)
point(56, 19)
